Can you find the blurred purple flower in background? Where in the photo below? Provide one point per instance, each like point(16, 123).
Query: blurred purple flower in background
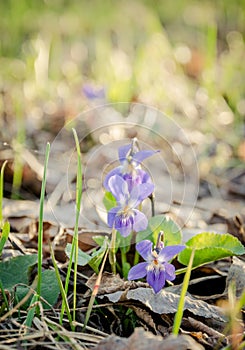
point(124, 217)
point(130, 170)
point(156, 268)
point(92, 92)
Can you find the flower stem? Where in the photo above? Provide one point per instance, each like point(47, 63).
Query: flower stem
point(112, 255)
point(152, 199)
point(136, 257)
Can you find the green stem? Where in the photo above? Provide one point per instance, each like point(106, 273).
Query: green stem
point(136, 257)
point(74, 249)
point(62, 290)
point(1, 191)
point(112, 254)
point(78, 208)
point(180, 310)
point(40, 224)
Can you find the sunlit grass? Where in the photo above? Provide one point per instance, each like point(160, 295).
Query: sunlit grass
point(74, 249)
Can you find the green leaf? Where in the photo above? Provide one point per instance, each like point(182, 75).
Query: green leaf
point(83, 258)
point(16, 270)
point(109, 201)
point(172, 232)
point(99, 239)
point(97, 256)
point(49, 290)
point(209, 247)
point(5, 234)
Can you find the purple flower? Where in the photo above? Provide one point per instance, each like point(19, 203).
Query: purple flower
point(156, 268)
point(124, 217)
point(130, 168)
point(92, 92)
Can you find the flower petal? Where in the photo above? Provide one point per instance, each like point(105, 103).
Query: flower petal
point(169, 272)
point(111, 216)
point(143, 176)
point(138, 271)
point(119, 188)
point(140, 221)
point(139, 193)
point(141, 155)
point(116, 171)
point(156, 279)
point(124, 224)
point(123, 151)
point(167, 253)
point(144, 248)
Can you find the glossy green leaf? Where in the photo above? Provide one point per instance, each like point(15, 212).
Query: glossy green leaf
point(172, 232)
point(209, 247)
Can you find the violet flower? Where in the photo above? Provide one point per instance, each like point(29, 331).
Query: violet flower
point(125, 217)
point(130, 170)
point(156, 268)
point(92, 92)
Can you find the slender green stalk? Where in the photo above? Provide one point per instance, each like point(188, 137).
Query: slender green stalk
point(32, 310)
point(4, 235)
point(4, 295)
point(78, 208)
point(62, 290)
point(95, 291)
point(112, 255)
point(74, 249)
point(152, 199)
point(180, 310)
point(1, 191)
point(40, 224)
point(136, 257)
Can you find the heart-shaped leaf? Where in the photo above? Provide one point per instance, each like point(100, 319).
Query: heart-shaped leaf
point(209, 247)
point(16, 270)
point(49, 290)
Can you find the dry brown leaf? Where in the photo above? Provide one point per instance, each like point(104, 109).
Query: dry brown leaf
point(143, 340)
point(236, 274)
point(166, 302)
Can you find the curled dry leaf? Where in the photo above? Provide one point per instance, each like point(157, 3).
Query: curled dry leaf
point(143, 340)
point(236, 275)
point(116, 289)
point(166, 302)
point(112, 284)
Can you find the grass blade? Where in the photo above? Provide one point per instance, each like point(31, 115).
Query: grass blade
point(74, 249)
point(1, 191)
point(4, 236)
point(40, 224)
point(180, 310)
point(62, 290)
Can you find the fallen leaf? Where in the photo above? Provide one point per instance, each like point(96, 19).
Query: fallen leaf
point(166, 302)
point(236, 274)
point(143, 340)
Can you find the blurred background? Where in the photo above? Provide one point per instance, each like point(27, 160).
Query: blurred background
point(184, 57)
